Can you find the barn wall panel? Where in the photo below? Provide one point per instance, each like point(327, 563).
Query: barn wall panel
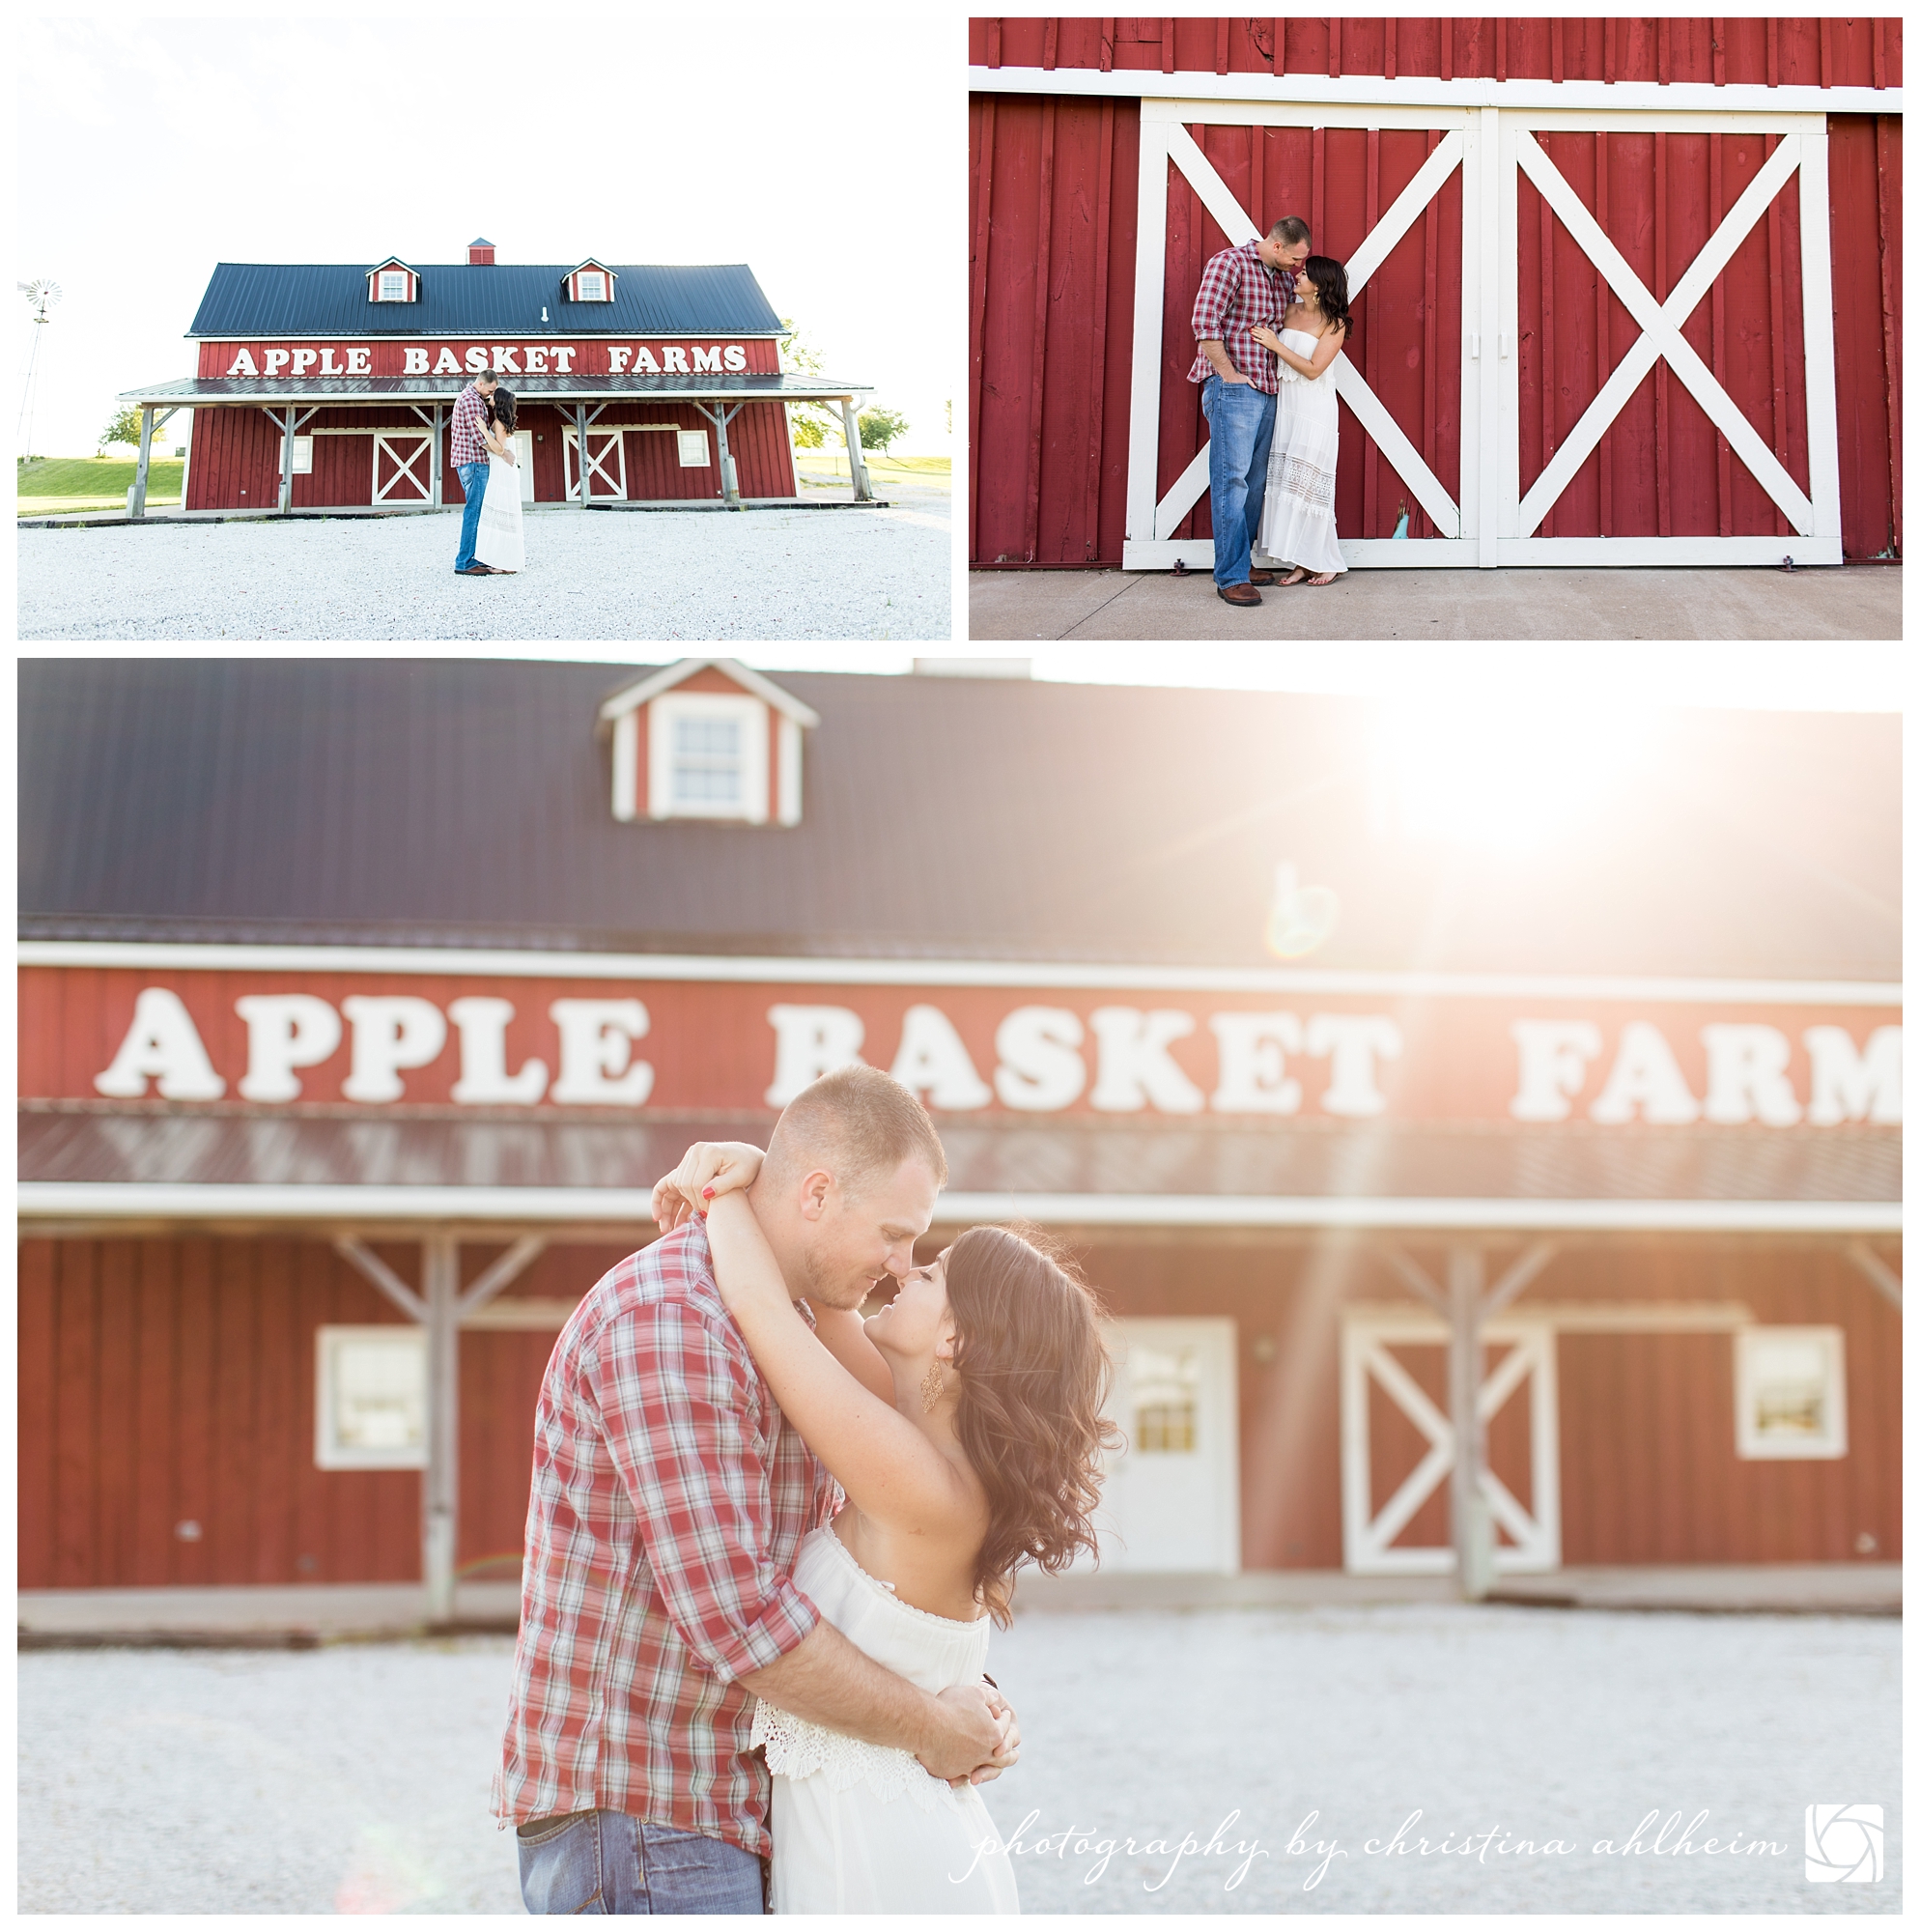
point(1051, 231)
point(166, 1382)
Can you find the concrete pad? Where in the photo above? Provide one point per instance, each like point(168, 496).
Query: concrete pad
point(1832, 1589)
point(294, 1616)
point(1851, 601)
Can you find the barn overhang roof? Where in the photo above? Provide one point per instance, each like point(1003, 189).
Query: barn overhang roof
point(88, 1163)
point(324, 391)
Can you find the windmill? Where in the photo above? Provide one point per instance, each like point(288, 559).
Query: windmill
point(41, 297)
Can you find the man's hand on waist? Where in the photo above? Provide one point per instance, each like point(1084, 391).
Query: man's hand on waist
point(968, 1735)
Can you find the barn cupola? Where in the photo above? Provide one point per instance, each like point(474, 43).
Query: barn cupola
point(706, 738)
point(591, 282)
point(479, 253)
point(392, 281)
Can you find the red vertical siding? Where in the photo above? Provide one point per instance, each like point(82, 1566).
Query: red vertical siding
point(1051, 227)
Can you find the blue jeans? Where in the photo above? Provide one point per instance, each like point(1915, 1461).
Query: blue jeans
point(1240, 417)
point(593, 1862)
point(473, 480)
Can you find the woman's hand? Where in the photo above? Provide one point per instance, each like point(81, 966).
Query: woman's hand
point(707, 1170)
point(1265, 337)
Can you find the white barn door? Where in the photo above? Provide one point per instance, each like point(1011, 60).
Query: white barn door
point(1814, 519)
point(1165, 144)
point(1495, 522)
point(1369, 1370)
point(1171, 1497)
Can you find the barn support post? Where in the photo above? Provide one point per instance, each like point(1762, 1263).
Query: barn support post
point(1472, 1525)
point(580, 450)
point(439, 1491)
point(137, 507)
point(287, 463)
point(856, 459)
point(729, 476)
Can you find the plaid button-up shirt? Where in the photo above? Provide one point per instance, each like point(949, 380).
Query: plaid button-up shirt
point(469, 427)
point(1238, 291)
point(669, 1500)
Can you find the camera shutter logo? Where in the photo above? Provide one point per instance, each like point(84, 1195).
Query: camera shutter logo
point(1845, 1844)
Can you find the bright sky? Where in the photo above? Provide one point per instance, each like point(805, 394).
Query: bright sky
point(806, 144)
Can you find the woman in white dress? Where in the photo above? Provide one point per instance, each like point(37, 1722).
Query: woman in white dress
point(963, 1421)
point(1297, 521)
point(499, 541)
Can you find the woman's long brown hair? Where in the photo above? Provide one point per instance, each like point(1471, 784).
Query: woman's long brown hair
point(1033, 1376)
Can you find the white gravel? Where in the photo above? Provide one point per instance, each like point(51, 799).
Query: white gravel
point(881, 574)
point(355, 1777)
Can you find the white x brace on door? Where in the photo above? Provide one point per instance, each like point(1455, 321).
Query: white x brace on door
point(1815, 520)
point(606, 462)
point(1366, 1360)
point(402, 460)
point(1491, 523)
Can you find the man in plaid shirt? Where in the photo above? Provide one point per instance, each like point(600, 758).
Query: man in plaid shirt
point(1240, 288)
point(669, 1499)
point(469, 452)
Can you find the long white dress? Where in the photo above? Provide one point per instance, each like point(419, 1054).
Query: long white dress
point(859, 1828)
point(500, 541)
point(1297, 520)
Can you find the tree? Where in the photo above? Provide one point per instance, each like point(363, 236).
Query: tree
point(810, 421)
point(879, 427)
point(124, 428)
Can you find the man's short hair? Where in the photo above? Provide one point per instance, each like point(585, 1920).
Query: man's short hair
point(860, 1124)
point(488, 376)
point(1290, 231)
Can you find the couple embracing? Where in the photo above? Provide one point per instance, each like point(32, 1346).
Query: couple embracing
point(766, 1539)
point(1269, 319)
point(488, 465)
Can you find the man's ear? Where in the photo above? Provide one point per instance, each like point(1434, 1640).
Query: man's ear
point(813, 1193)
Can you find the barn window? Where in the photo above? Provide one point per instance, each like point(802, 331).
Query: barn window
point(302, 456)
point(371, 1407)
point(1166, 1395)
point(695, 453)
point(392, 285)
point(707, 756)
point(592, 286)
point(1790, 1394)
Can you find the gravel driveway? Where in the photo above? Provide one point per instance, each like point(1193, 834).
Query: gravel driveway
point(355, 1778)
point(630, 574)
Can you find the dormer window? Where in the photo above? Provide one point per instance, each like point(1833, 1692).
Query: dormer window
point(392, 281)
point(707, 756)
point(590, 282)
point(707, 738)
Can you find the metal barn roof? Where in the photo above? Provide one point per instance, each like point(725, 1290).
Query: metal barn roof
point(1403, 1176)
point(467, 804)
point(271, 298)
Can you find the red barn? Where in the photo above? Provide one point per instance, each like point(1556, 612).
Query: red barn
point(1624, 291)
point(363, 1002)
point(329, 386)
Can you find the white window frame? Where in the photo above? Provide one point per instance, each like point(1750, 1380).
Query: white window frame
point(580, 279)
point(404, 292)
point(689, 439)
point(1491, 524)
point(302, 456)
point(329, 1450)
point(1748, 1442)
point(752, 714)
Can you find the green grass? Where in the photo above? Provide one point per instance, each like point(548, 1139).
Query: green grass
point(899, 468)
point(57, 484)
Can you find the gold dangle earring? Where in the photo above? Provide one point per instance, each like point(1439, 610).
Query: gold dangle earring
point(933, 1385)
